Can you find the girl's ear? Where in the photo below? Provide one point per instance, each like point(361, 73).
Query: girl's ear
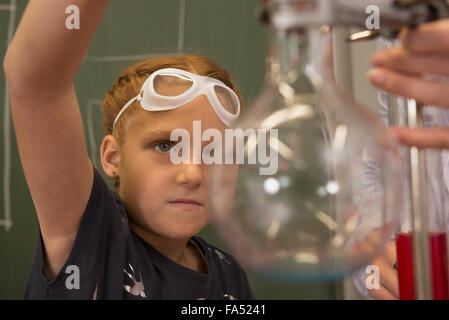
point(110, 156)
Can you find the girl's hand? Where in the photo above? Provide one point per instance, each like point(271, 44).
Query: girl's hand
point(419, 69)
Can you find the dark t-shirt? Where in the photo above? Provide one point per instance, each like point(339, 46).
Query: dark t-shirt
point(115, 263)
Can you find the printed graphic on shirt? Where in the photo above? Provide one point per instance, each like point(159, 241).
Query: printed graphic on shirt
point(225, 297)
point(95, 291)
point(138, 288)
point(220, 255)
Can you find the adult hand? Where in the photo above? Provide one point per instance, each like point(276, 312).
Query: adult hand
point(419, 69)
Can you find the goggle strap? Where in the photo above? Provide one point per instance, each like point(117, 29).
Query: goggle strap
point(130, 102)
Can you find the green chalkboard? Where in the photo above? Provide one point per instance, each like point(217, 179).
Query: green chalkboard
point(225, 30)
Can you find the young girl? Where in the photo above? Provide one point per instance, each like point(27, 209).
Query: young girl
point(137, 242)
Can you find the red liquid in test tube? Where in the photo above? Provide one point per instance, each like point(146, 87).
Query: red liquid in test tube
point(439, 265)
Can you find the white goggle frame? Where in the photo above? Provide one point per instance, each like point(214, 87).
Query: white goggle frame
point(150, 100)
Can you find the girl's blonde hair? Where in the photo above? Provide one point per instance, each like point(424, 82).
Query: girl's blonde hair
point(130, 81)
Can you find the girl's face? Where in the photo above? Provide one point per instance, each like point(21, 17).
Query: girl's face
point(163, 198)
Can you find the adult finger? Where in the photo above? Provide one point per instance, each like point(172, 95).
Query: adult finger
point(382, 293)
point(425, 91)
point(385, 263)
point(436, 138)
point(390, 253)
point(399, 59)
point(388, 277)
point(432, 37)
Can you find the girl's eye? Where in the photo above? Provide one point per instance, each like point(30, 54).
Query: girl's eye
point(163, 146)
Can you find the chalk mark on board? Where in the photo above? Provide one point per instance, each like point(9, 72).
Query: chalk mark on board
point(7, 222)
point(138, 57)
point(91, 103)
point(182, 15)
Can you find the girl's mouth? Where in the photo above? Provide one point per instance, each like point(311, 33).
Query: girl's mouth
point(186, 204)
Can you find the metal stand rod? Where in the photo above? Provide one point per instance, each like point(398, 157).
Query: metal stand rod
point(421, 256)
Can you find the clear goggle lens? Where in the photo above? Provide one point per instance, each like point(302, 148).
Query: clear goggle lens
point(172, 85)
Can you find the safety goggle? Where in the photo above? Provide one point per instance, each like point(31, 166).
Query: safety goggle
point(170, 88)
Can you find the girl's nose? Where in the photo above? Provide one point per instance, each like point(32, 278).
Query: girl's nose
point(190, 175)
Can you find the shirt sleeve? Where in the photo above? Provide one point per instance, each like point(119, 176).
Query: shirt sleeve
point(82, 272)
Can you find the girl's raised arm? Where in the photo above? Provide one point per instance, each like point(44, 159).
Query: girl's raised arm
point(40, 65)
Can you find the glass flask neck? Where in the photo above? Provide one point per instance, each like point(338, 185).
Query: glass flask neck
point(288, 55)
point(296, 58)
